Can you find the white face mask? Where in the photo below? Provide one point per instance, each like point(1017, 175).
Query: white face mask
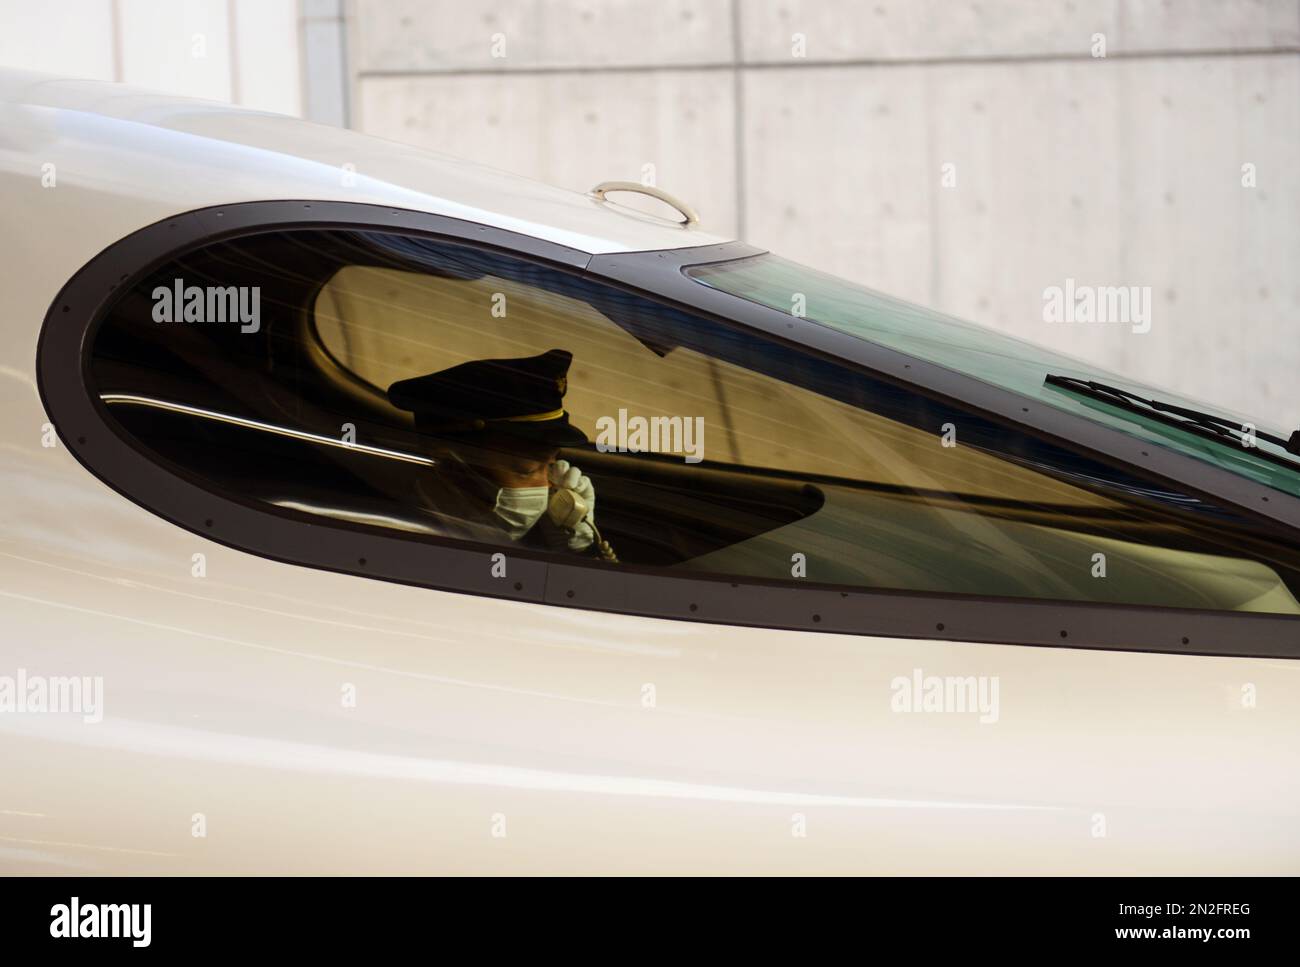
point(519, 508)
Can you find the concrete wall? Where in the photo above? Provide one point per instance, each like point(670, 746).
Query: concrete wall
point(1122, 170)
point(243, 51)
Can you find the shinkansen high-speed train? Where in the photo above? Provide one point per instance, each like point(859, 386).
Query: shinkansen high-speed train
point(369, 511)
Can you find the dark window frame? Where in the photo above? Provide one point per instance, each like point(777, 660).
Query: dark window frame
point(107, 452)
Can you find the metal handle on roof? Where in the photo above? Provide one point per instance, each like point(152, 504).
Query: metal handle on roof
point(689, 215)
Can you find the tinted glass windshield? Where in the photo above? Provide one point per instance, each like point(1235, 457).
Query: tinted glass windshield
point(433, 392)
point(985, 354)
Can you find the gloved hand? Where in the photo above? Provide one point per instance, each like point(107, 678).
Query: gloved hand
point(564, 476)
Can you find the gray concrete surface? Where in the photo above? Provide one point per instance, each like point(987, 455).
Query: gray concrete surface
point(1122, 170)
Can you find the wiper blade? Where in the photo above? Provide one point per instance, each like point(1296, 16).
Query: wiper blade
point(1209, 425)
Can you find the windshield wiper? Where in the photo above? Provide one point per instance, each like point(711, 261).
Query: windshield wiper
point(1204, 424)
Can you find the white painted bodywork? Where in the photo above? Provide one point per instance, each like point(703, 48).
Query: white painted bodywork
point(159, 155)
point(476, 716)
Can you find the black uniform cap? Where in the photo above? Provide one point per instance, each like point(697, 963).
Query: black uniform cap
point(519, 397)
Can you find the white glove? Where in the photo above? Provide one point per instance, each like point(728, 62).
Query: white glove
point(564, 476)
